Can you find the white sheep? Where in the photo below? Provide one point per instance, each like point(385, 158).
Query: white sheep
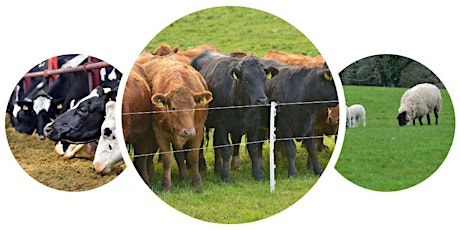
point(355, 115)
point(419, 101)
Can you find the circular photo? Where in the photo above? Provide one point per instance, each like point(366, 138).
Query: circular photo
point(230, 115)
point(60, 122)
point(400, 123)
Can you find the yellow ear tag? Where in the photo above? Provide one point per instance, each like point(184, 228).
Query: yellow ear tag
point(160, 104)
point(269, 75)
point(59, 106)
point(234, 76)
point(327, 77)
point(204, 100)
point(25, 107)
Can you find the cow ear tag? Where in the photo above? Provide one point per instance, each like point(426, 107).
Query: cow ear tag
point(234, 76)
point(269, 75)
point(204, 100)
point(59, 106)
point(25, 107)
point(160, 104)
point(327, 77)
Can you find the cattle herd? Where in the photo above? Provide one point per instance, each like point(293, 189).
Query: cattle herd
point(173, 98)
point(68, 108)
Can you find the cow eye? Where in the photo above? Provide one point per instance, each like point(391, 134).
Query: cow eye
point(83, 112)
point(173, 108)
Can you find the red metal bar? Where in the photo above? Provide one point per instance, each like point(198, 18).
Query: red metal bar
point(85, 67)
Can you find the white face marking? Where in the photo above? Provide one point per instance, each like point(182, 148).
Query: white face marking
point(91, 95)
point(16, 109)
point(77, 60)
point(112, 76)
point(41, 103)
point(103, 73)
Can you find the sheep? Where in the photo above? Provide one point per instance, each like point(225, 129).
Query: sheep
point(355, 115)
point(419, 101)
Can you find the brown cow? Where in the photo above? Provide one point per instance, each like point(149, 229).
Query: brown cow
point(178, 97)
point(193, 52)
point(137, 128)
point(294, 59)
point(327, 123)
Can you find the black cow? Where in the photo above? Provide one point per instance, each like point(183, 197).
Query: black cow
point(294, 84)
point(234, 82)
point(82, 122)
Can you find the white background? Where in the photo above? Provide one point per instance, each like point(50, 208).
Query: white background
point(343, 31)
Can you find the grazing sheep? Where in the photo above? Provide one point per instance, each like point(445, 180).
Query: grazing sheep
point(419, 101)
point(355, 115)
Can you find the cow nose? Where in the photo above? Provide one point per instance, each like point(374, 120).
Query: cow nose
point(188, 132)
point(47, 130)
point(262, 100)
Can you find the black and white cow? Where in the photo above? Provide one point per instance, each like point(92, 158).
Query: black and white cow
point(82, 122)
point(234, 81)
point(108, 154)
point(42, 105)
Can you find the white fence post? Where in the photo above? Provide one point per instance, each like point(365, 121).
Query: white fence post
point(272, 138)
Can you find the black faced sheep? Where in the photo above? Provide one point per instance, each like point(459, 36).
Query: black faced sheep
point(355, 115)
point(419, 101)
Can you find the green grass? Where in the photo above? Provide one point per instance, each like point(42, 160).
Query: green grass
point(234, 29)
point(242, 199)
point(386, 157)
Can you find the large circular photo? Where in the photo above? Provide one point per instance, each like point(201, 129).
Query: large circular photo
point(230, 115)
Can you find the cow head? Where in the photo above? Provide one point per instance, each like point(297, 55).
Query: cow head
point(108, 155)
point(321, 86)
point(82, 122)
point(179, 105)
point(250, 78)
point(333, 115)
point(23, 117)
point(46, 109)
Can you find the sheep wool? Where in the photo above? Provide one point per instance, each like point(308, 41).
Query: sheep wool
point(419, 101)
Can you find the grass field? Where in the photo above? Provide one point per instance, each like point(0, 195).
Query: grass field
point(385, 157)
point(242, 199)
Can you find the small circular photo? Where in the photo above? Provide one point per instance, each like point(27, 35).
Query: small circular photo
point(60, 122)
point(400, 123)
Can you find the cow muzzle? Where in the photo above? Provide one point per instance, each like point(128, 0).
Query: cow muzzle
point(188, 132)
point(262, 100)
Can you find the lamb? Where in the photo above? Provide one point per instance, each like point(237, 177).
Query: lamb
point(355, 115)
point(419, 101)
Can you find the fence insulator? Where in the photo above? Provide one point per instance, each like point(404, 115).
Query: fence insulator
point(272, 137)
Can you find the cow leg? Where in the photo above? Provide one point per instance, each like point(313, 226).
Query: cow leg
point(224, 150)
point(193, 158)
point(253, 149)
point(290, 150)
point(428, 118)
point(201, 160)
point(166, 159)
point(236, 141)
point(141, 162)
point(180, 160)
point(311, 148)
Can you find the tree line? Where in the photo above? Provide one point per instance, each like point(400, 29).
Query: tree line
point(388, 70)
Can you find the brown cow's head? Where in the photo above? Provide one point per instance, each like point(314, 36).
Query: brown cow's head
point(180, 105)
point(333, 115)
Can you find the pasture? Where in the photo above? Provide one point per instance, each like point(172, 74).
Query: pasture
point(242, 199)
point(38, 159)
point(385, 157)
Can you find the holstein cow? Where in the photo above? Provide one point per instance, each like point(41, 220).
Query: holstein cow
point(82, 122)
point(179, 97)
point(298, 84)
point(108, 154)
point(42, 102)
point(137, 121)
point(234, 82)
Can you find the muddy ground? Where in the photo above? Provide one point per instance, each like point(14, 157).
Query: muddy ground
point(38, 159)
